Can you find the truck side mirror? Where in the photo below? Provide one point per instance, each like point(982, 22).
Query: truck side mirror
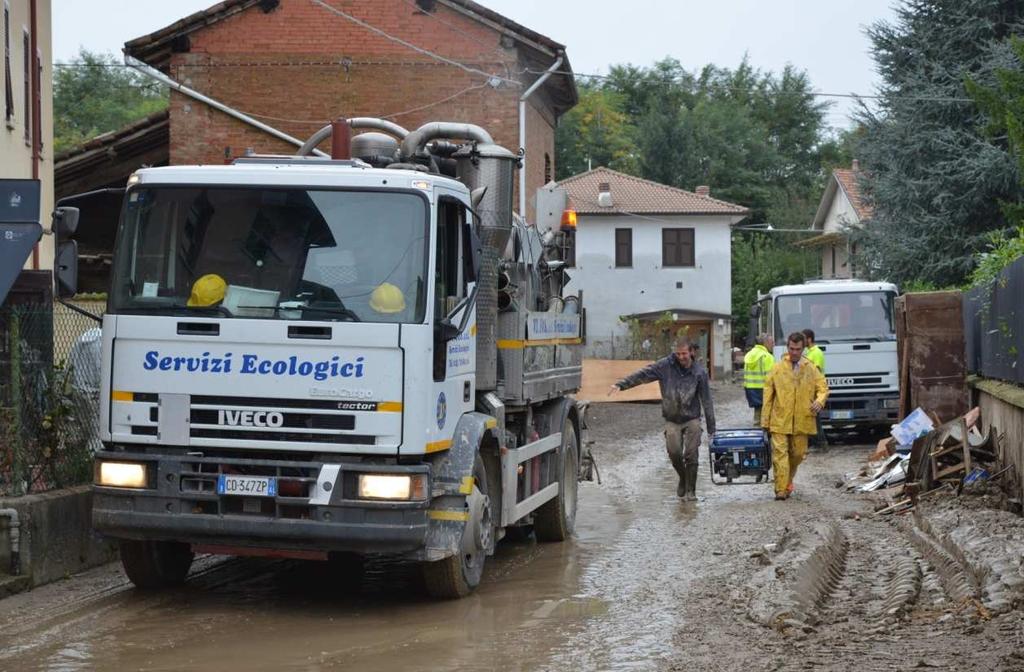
point(66, 268)
point(755, 311)
point(65, 221)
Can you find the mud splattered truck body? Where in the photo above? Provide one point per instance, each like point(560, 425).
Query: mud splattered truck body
point(335, 357)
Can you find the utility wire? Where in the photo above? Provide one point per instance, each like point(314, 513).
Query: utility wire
point(456, 29)
point(820, 94)
point(580, 75)
point(323, 122)
point(409, 45)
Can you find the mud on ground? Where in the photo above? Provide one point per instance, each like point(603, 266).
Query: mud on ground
point(734, 582)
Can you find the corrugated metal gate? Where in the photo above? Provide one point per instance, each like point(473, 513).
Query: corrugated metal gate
point(994, 326)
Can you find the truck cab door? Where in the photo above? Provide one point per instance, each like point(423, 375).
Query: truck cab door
point(454, 362)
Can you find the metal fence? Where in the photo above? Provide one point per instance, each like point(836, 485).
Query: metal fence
point(49, 394)
point(994, 326)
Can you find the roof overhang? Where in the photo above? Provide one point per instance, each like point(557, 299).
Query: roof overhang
point(822, 240)
point(826, 203)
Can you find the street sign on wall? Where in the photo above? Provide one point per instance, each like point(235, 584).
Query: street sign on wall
point(20, 229)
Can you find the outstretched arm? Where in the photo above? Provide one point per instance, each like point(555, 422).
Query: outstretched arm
point(648, 374)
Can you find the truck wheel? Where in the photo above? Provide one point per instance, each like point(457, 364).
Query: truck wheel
point(155, 564)
point(555, 520)
point(458, 575)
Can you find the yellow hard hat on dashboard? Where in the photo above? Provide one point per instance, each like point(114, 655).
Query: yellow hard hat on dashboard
point(207, 290)
point(387, 298)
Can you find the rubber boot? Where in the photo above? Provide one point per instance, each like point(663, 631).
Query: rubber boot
point(690, 475)
point(680, 467)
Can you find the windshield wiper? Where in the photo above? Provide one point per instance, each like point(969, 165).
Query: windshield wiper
point(207, 309)
point(342, 310)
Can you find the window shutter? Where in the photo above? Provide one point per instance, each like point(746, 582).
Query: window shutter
point(623, 248)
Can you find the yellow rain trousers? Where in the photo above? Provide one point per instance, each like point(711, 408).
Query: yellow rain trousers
point(787, 414)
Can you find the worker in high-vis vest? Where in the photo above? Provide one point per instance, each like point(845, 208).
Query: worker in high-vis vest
point(756, 365)
point(817, 357)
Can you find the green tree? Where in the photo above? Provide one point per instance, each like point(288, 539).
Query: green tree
point(97, 95)
point(934, 178)
point(761, 261)
point(595, 133)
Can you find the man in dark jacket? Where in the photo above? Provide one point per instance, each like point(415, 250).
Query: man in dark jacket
point(685, 390)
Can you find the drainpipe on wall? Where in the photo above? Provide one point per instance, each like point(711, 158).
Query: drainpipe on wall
point(217, 105)
point(15, 528)
point(522, 127)
point(34, 92)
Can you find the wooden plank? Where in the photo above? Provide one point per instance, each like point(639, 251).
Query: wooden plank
point(600, 374)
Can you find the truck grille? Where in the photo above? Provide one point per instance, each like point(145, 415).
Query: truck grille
point(263, 419)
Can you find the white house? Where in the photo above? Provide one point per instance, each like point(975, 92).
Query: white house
point(656, 257)
point(841, 208)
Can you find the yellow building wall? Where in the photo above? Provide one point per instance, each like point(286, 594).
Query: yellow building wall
point(15, 152)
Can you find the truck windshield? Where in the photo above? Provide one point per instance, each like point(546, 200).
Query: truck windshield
point(838, 317)
point(275, 253)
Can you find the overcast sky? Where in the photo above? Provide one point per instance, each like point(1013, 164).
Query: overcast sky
point(824, 37)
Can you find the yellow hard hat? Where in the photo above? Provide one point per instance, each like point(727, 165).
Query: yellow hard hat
point(207, 290)
point(387, 299)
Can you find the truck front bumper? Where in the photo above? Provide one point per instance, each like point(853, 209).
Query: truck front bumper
point(182, 504)
point(861, 409)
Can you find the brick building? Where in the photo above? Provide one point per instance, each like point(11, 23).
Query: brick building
point(296, 64)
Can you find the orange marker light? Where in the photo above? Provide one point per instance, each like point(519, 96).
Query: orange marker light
point(568, 219)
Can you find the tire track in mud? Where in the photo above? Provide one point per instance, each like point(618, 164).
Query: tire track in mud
point(879, 593)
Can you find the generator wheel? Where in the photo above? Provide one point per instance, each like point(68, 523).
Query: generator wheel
point(458, 575)
point(155, 564)
point(556, 520)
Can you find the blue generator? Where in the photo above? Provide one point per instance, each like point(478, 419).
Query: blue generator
point(740, 452)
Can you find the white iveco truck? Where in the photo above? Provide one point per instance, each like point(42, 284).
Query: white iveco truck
point(853, 324)
point(337, 356)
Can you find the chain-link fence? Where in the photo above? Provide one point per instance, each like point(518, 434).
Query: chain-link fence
point(49, 396)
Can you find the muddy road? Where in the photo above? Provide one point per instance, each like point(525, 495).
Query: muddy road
point(736, 581)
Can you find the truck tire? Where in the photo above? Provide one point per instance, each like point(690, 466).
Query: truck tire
point(556, 520)
point(155, 564)
point(458, 575)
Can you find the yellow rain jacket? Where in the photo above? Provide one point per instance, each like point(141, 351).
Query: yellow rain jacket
point(788, 396)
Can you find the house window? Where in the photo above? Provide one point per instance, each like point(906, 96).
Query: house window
point(833, 273)
point(623, 248)
point(8, 83)
point(547, 167)
point(677, 248)
point(27, 88)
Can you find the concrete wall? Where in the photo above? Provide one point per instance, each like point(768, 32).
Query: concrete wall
point(647, 286)
point(57, 538)
point(244, 61)
point(15, 151)
point(1002, 408)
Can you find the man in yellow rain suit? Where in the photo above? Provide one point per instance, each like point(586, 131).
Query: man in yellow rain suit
point(794, 393)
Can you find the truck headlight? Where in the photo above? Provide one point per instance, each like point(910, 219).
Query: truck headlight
point(122, 475)
point(392, 486)
point(891, 403)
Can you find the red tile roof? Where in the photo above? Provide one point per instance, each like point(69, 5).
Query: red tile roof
point(848, 180)
point(636, 195)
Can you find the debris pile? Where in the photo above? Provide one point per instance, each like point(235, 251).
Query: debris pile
point(924, 456)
